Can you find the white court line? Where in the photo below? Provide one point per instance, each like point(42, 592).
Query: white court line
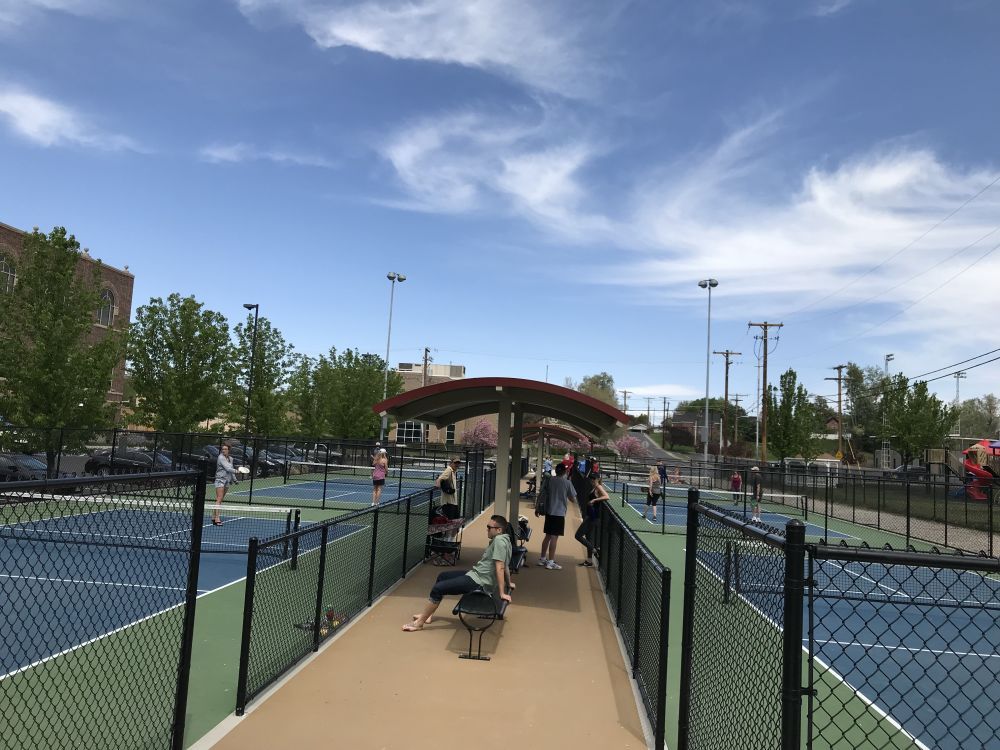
point(93, 583)
point(895, 592)
point(864, 698)
point(910, 649)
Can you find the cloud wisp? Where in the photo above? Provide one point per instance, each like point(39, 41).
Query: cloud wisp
point(48, 123)
point(236, 153)
point(534, 43)
point(18, 12)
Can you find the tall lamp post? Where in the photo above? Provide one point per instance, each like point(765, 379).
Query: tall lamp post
point(709, 284)
point(393, 278)
point(253, 352)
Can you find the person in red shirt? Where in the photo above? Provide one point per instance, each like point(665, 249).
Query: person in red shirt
point(735, 485)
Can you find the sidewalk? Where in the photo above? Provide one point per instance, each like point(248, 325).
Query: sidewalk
point(556, 679)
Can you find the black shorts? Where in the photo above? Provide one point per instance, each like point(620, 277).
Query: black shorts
point(555, 525)
point(449, 510)
point(378, 482)
point(652, 499)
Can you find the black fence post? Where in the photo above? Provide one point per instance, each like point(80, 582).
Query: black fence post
point(324, 535)
point(190, 602)
point(114, 448)
point(244, 668)
point(687, 622)
point(907, 510)
point(371, 564)
point(621, 573)
point(638, 612)
point(326, 475)
point(791, 667)
point(660, 728)
point(406, 535)
point(401, 449)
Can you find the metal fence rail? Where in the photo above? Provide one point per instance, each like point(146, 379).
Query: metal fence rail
point(98, 610)
point(790, 644)
point(638, 591)
point(338, 569)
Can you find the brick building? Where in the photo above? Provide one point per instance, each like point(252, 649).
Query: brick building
point(414, 376)
point(115, 311)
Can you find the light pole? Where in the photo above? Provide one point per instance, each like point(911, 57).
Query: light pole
point(253, 352)
point(708, 284)
point(393, 277)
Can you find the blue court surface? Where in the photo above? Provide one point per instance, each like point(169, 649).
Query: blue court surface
point(68, 581)
point(919, 645)
point(676, 516)
point(337, 491)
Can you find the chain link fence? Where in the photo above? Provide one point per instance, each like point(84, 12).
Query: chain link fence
point(790, 644)
point(637, 585)
point(336, 570)
point(99, 580)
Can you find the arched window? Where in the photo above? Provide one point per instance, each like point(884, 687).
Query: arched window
point(7, 274)
point(106, 312)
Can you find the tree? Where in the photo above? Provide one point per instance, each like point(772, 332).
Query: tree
point(53, 373)
point(180, 359)
point(481, 435)
point(792, 418)
point(916, 418)
point(864, 388)
point(600, 386)
point(272, 366)
point(334, 393)
point(678, 434)
point(629, 447)
point(980, 417)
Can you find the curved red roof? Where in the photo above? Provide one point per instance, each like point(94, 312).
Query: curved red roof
point(446, 403)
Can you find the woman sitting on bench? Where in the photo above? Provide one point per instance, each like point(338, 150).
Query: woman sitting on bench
point(493, 568)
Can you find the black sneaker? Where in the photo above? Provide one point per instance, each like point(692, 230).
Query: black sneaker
point(586, 564)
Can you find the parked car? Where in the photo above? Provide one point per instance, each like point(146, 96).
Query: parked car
point(240, 455)
point(20, 467)
point(126, 461)
point(910, 472)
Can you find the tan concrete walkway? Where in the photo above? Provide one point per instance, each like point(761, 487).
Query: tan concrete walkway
point(556, 679)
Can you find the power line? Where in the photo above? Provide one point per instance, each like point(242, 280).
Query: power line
point(897, 253)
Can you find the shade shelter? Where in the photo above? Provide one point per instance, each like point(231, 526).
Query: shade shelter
point(510, 399)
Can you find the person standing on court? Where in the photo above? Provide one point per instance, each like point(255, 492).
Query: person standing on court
point(652, 492)
point(661, 469)
point(447, 482)
point(560, 490)
point(735, 485)
point(757, 491)
point(380, 467)
point(593, 511)
point(225, 475)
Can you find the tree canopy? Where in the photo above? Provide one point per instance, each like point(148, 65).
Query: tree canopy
point(792, 418)
point(600, 386)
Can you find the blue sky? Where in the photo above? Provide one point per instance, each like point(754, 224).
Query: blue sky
point(553, 178)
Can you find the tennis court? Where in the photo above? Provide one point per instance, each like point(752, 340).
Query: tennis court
point(887, 633)
point(339, 486)
point(776, 509)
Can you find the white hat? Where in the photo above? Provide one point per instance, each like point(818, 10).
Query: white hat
point(381, 450)
point(754, 468)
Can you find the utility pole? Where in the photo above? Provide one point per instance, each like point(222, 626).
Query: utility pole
point(960, 375)
point(725, 403)
point(425, 428)
point(663, 426)
point(625, 400)
point(649, 417)
point(763, 401)
point(840, 410)
point(885, 414)
point(737, 397)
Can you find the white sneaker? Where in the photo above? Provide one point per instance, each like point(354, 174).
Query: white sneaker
point(542, 562)
point(553, 565)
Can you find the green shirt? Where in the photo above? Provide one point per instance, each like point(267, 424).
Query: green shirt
point(484, 572)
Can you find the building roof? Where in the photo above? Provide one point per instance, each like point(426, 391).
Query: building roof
point(446, 403)
point(557, 431)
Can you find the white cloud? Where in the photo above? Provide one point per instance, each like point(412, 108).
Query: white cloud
point(48, 123)
point(520, 39)
point(17, 12)
point(830, 7)
point(470, 162)
point(234, 153)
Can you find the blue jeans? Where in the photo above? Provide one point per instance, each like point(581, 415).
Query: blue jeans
point(452, 582)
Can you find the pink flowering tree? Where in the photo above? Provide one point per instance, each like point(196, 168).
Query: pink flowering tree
point(481, 435)
point(629, 447)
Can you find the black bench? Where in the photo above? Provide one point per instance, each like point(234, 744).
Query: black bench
point(478, 610)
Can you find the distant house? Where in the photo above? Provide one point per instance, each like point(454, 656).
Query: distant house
point(114, 312)
point(832, 424)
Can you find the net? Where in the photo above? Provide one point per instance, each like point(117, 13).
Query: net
point(678, 496)
point(131, 522)
point(615, 480)
point(411, 475)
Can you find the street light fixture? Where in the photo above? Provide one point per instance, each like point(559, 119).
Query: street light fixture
point(253, 352)
point(393, 278)
point(709, 284)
